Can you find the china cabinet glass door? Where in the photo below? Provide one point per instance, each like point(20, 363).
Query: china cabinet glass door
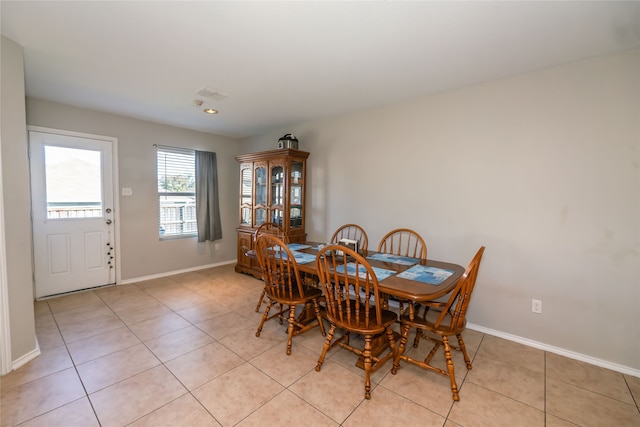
point(260, 204)
point(277, 194)
point(297, 194)
point(246, 193)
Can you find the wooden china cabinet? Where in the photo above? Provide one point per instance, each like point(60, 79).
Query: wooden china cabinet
point(272, 189)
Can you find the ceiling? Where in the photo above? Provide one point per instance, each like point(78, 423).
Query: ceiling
point(283, 63)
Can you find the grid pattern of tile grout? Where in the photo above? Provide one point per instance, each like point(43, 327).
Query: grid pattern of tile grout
point(190, 338)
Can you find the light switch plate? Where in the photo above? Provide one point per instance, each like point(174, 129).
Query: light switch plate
point(126, 191)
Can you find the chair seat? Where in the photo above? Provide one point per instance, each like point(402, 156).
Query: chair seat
point(294, 298)
point(359, 326)
point(427, 322)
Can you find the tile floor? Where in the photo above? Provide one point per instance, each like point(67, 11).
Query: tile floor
point(182, 351)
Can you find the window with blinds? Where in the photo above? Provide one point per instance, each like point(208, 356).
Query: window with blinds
point(176, 171)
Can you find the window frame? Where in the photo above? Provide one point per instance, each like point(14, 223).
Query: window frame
point(186, 217)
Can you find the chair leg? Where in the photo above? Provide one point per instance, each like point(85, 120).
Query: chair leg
point(367, 366)
point(463, 348)
point(265, 315)
point(416, 340)
point(292, 319)
point(452, 377)
point(392, 342)
point(316, 309)
point(403, 344)
point(260, 301)
point(325, 348)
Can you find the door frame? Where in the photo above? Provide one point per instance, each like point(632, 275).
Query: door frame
point(5, 328)
point(116, 188)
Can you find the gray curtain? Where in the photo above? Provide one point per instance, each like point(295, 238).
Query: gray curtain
point(207, 201)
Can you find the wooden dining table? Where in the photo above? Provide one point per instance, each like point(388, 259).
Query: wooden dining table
point(403, 289)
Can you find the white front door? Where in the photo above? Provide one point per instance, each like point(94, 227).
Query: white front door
point(72, 211)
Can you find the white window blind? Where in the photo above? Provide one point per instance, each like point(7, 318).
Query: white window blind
point(176, 192)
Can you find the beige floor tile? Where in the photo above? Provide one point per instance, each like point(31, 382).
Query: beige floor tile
point(135, 397)
point(387, 408)
point(45, 321)
point(245, 343)
point(589, 377)
point(32, 399)
point(151, 310)
point(587, 408)
point(102, 344)
point(107, 370)
point(83, 313)
point(205, 348)
point(426, 388)
point(50, 361)
point(184, 411)
point(78, 413)
point(160, 282)
point(114, 293)
point(85, 329)
point(511, 381)
point(225, 324)
point(319, 389)
point(186, 300)
point(512, 353)
point(287, 409)
point(69, 302)
point(162, 325)
point(286, 369)
point(175, 344)
point(203, 364)
point(634, 387)
point(553, 421)
point(41, 308)
point(131, 300)
point(201, 312)
point(237, 393)
point(49, 337)
point(166, 291)
point(481, 407)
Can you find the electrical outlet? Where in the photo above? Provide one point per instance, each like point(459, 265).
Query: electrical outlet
point(536, 306)
point(217, 246)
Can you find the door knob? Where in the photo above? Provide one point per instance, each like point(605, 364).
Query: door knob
point(108, 221)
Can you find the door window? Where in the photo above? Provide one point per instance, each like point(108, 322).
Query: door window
point(73, 182)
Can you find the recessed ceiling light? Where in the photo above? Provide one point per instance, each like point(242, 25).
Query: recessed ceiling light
point(210, 111)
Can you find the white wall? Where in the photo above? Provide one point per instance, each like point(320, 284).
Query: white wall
point(17, 204)
point(142, 254)
point(541, 168)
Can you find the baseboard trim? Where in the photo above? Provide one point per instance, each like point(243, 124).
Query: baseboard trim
point(171, 273)
point(26, 358)
point(557, 350)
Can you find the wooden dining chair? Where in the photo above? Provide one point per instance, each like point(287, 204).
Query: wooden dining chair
point(283, 287)
point(352, 232)
point(353, 305)
point(273, 229)
point(403, 242)
point(438, 322)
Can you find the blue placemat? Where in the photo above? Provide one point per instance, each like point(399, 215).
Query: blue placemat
point(381, 273)
point(303, 258)
point(300, 257)
point(297, 246)
point(430, 275)
point(394, 259)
